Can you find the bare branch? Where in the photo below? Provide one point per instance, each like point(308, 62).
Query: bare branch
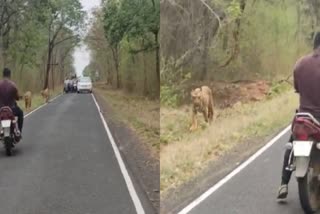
point(65, 39)
point(57, 32)
point(134, 51)
point(212, 11)
point(175, 4)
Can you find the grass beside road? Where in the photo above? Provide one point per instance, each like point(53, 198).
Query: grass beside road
point(183, 155)
point(38, 100)
point(139, 113)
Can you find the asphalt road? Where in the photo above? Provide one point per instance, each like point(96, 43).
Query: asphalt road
point(253, 190)
point(64, 165)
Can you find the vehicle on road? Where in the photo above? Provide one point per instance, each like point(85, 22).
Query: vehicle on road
point(306, 160)
point(74, 85)
point(84, 84)
point(70, 86)
point(67, 86)
point(8, 129)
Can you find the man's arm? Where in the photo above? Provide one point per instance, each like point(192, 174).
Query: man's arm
point(17, 96)
point(16, 92)
point(295, 82)
point(295, 76)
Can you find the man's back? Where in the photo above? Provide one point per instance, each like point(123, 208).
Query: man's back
point(307, 83)
point(8, 93)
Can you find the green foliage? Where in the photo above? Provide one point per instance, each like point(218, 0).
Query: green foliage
point(89, 71)
point(258, 39)
point(114, 22)
point(133, 19)
point(233, 10)
point(123, 41)
point(278, 88)
point(169, 96)
point(24, 38)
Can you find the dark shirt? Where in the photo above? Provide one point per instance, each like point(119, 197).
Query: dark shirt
point(8, 93)
point(307, 83)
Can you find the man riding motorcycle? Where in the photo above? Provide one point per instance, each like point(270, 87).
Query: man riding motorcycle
point(67, 87)
point(307, 83)
point(8, 97)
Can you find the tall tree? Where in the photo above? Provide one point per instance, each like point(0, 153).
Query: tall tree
point(133, 20)
point(115, 26)
point(63, 15)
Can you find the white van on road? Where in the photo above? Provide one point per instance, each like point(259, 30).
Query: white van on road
point(84, 84)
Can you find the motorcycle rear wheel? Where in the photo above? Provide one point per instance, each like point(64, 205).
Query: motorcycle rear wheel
point(8, 146)
point(309, 193)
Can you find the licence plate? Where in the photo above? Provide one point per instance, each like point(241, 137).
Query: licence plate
point(302, 148)
point(5, 123)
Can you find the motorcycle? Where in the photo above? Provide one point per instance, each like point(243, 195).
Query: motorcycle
point(74, 86)
point(65, 88)
point(8, 129)
point(305, 160)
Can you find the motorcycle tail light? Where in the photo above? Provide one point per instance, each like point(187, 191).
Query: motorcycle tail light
point(301, 131)
point(302, 136)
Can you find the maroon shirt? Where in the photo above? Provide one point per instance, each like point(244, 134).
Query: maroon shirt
point(8, 93)
point(307, 83)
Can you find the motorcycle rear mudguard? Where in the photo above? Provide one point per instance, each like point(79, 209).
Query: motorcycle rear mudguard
point(302, 166)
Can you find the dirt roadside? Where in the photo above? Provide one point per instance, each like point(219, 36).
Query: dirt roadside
point(137, 156)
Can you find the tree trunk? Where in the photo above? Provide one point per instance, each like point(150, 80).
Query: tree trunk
point(145, 80)
point(42, 69)
point(298, 28)
point(115, 53)
point(225, 39)
point(204, 63)
point(52, 71)
point(107, 69)
point(157, 62)
point(62, 75)
point(110, 77)
point(46, 80)
point(236, 36)
point(5, 47)
point(20, 73)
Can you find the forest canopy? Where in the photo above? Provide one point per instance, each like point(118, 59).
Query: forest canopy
point(234, 39)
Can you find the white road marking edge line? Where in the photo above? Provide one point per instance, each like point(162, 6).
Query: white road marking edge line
point(41, 106)
point(132, 191)
point(223, 181)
